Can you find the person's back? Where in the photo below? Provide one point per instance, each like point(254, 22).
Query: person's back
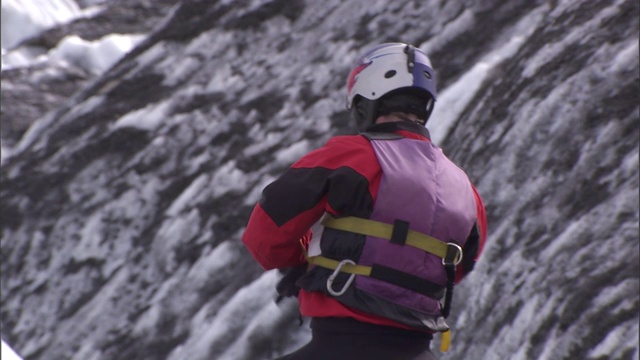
point(397, 216)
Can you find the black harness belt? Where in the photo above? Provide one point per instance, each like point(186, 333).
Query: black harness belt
point(400, 234)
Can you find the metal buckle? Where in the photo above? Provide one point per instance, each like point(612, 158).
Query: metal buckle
point(457, 256)
point(335, 274)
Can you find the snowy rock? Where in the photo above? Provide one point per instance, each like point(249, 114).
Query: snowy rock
point(57, 47)
point(123, 206)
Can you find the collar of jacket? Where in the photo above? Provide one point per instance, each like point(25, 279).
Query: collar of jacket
point(392, 127)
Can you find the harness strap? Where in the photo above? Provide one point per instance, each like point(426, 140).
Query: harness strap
point(386, 231)
point(328, 263)
point(398, 233)
point(383, 273)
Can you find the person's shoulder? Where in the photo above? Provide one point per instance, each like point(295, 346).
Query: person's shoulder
point(342, 150)
point(347, 140)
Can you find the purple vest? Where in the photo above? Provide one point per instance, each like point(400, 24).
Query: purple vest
point(422, 186)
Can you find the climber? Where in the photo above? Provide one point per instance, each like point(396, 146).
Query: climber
point(400, 223)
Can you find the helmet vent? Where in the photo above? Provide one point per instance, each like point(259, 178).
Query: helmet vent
point(389, 74)
point(427, 75)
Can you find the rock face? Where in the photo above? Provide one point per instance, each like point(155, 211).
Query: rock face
point(23, 87)
point(122, 209)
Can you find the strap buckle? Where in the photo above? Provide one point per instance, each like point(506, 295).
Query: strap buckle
point(335, 274)
point(454, 255)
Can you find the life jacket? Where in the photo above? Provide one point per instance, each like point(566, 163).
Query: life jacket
point(393, 263)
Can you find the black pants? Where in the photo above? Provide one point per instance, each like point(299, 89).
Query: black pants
point(349, 339)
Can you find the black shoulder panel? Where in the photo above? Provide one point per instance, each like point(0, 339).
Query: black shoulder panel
point(381, 136)
point(300, 189)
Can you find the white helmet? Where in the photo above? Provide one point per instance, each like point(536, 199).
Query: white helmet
point(391, 77)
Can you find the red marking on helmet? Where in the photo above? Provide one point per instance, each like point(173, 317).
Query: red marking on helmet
point(354, 74)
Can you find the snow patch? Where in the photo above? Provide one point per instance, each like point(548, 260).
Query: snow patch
point(7, 351)
point(24, 18)
point(94, 56)
point(454, 99)
point(148, 118)
point(289, 155)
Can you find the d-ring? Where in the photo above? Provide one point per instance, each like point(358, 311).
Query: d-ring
point(454, 255)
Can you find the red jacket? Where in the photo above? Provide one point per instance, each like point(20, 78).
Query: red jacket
point(340, 178)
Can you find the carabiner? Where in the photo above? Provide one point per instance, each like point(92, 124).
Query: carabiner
point(335, 274)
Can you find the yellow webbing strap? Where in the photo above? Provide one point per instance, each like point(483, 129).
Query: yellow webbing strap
point(382, 230)
point(445, 341)
point(333, 264)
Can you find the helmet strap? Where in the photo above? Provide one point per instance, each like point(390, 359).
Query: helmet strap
point(429, 108)
point(411, 57)
point(364, 112)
